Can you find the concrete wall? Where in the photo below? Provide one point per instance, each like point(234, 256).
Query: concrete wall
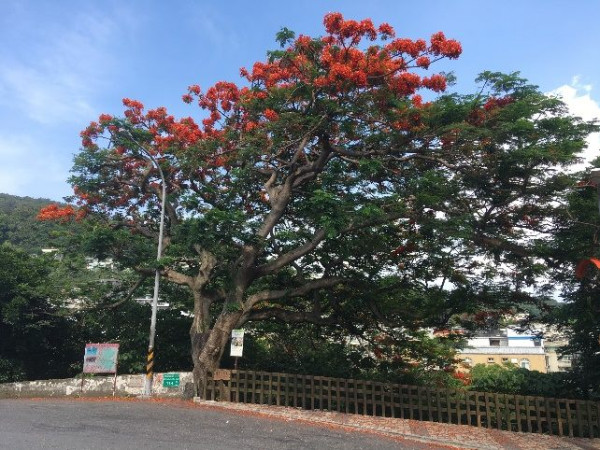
point(127, 385)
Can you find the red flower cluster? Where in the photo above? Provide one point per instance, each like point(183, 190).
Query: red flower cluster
point(219, 100)
point(445, 47)
point(463, 377)
point(480, 113)
point(436, 82)
point(90, 134)
point(134, 109)
point(497, 102)
point(339, 64)
point(271, 115)
point(105, 118)
point(407, 46)
point(423, 61)
point(386, 30)
point(333, 68)
point(55, 212)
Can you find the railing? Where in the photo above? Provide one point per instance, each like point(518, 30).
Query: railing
point(561, 417)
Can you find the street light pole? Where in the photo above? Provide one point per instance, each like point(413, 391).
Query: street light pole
point(150, 357)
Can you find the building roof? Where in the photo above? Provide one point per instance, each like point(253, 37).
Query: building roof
point(503, 351)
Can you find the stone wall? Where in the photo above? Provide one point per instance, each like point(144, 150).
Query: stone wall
point(127, 385)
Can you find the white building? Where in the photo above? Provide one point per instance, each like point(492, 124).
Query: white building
point(522, 349)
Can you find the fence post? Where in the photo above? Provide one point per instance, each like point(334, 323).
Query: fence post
point(518, 413)
point(559, 420)
point(447, 392)
point(482, 409)
point(590, 423)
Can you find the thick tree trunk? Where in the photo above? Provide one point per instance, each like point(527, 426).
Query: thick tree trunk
point(208, 347)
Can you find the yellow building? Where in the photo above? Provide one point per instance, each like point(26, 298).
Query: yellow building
point(505, 346)
point(528, 358)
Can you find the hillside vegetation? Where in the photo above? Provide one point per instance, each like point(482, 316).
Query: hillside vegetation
point(20, 228)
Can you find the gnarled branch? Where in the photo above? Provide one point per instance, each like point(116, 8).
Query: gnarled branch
point(275, 294)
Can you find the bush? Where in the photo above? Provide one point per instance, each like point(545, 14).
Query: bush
point(11, 371)
point(508, 379)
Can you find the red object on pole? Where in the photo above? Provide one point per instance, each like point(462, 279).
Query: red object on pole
point(583, 265)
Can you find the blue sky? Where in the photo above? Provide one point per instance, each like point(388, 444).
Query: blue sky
point(64, 62)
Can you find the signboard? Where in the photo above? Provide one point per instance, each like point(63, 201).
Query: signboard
point(100, 358)
point(237, 342)
point(222, 375)
point(171, 380)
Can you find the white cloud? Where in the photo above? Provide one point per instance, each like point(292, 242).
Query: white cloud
point(44, 98)
point(29, 171)
point(579, 100)
point(51, 78)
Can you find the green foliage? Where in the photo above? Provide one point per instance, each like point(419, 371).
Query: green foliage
point(36, 340)
point(505, 379)
point(310, 350)
point(19, 226)
point(11, 370)
point(51, 306)
point(354, 208)
point(577, 316)
point(509, 379)
point(284, 36)
point(296, 349)
point(129, 325)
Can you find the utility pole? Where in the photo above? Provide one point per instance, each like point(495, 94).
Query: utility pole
point(151, 354)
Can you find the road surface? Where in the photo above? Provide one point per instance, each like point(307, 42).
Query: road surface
point(90, 424)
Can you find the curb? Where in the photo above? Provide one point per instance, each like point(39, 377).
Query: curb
point(283, 413)
point(490, 439)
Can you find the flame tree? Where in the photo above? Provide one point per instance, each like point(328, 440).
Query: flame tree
point(301, 191)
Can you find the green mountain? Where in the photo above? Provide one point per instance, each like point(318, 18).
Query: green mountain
point(20, 227)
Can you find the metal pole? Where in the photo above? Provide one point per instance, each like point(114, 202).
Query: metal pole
point(150, 357)
point(595, 179)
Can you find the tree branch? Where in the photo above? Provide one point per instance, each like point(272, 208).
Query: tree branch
point(290, 316)
point(293, 255)
point(490, 242)
point(293, 292)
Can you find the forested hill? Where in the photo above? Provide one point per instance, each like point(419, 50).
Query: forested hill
point(19, 226)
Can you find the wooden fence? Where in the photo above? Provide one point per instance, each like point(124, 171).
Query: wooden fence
point(561, 417)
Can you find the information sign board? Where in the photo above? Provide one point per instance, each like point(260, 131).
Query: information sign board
point(171, 380)
point(237, 342)
point(100, 358)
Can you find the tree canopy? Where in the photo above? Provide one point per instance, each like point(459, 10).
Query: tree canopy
point(34, 339)
point(324, 189)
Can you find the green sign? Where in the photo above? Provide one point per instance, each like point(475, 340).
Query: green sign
point(171, 380)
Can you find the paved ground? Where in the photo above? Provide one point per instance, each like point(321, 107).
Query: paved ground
point(106, 424)
point(159, 423)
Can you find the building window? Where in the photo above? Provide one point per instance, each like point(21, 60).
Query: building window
point(525, 363)
point(467, 361)
point(490, 360)
point(494, 342)
point(514, 360)
point(504, 360)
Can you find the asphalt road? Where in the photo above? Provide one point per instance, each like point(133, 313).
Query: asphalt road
point(65, 424)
